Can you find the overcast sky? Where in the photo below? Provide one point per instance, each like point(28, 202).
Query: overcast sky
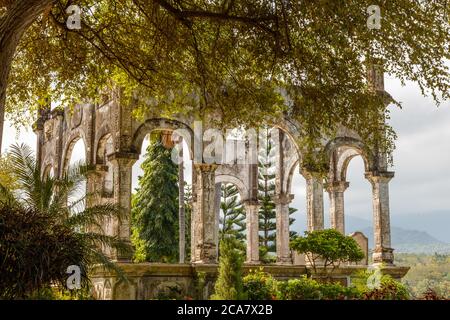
point(422, 159)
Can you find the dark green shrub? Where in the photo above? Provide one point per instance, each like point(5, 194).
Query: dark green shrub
point(310, 289)
point(336, 291)
point(259, 285)
point(389, 289)
point(228, 285)
point(299, 289)
point(54, 293)
point(43, 230)
point(35, 252)
point(374, 285)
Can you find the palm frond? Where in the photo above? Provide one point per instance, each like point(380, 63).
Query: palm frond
point(7, 197)
point(105, 262)
point(92, 216)
point(27, 173)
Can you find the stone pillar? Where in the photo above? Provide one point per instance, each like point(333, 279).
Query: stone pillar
point(193, 201)
point(204, 235)
point(94, 196)
point(252, 228)
point(181, 209)
point(336, 191)
point(94, 184)
point(383, 253)
point(38, 129)
point(314, 203)
point(217, 203)
point(122, 164)
point(282, 202)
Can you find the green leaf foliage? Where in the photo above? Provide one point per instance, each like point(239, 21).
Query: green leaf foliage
point(329, 245)
point(259, 285)
point(387, 288)
point(231, 58)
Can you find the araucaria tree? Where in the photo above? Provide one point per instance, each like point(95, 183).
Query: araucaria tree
point(154, 211)
point(188, 218)
point(267, 214)
point(266, 192)
point(232, 218)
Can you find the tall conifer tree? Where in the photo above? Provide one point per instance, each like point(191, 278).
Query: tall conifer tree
point(155, 206)
point(266, 191)
point(232, 219)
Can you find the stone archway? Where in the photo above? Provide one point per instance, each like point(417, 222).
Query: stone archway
point(113, 140)
point(342, 150)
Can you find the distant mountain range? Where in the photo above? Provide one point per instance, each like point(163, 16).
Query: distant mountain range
point(436, 223)
point(408, 234)
point(415, 233)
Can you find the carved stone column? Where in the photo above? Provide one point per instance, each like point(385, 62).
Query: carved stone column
point(38, 129)
point(252, 228)
point(217, 203)
point(204, 235)
point(122, 164)
point(336, 191)
point(94, 193)
point(94, 184)
point(383, 253)
point(282, 202)
point(314, 202)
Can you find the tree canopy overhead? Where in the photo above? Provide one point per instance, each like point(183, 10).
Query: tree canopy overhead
point(231, 57)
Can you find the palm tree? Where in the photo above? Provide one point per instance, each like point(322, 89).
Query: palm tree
point(56, 201)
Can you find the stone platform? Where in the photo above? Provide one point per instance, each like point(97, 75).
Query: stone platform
point(151, 280)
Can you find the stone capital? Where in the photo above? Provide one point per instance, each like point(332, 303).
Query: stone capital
point(126, 159)
point(283, 199)
point(204, 167)
point(337, 186)
point(97, 170)
point(379, 177)
point(310, 175)
point(250, 202)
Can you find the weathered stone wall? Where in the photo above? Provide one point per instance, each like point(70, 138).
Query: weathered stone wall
point(152, 281)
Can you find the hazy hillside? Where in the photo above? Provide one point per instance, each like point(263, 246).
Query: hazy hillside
point(413, 233)
point(403, 240)
point(435, 223)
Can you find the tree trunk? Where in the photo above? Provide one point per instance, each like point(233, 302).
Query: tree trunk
point(18, 17)
point(182, 211)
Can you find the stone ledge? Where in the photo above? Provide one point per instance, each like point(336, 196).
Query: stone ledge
point(150, 280)
point(278, 271)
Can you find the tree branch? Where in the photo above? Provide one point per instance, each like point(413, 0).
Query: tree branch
point(183, 15)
